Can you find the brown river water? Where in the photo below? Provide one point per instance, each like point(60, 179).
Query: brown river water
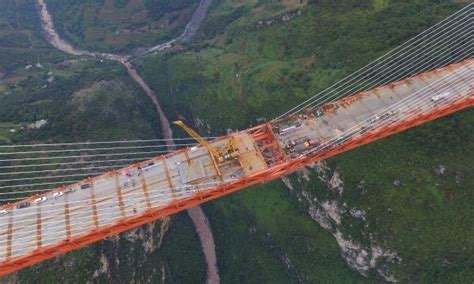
point(198, 217)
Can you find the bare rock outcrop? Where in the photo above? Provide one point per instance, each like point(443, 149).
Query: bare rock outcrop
point(330, 215)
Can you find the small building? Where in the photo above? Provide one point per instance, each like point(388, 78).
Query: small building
point(38, 124)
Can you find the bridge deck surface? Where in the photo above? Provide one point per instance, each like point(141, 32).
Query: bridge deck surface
point(378, 107)
point(119, 196)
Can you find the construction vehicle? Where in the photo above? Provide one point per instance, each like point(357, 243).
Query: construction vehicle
point(329, 108)
point(440, 96)
point(283, 130)
point(301, 144)
point(318, 112)
point(227, 152)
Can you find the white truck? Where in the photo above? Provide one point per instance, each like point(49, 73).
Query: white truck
point(440, 96)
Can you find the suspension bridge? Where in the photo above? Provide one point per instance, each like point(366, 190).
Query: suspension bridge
point(429, 76)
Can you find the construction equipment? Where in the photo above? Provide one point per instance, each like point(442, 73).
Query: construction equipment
point(228, 151)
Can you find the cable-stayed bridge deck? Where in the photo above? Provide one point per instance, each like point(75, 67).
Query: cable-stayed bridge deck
point(70, 217)
point(357, 110)
point(355, 117)
point(106, 200)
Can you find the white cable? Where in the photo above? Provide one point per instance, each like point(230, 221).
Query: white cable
point(406, 100)
point(367, 67)
point(53, 177)
point(54, 170)
point(100, 142)
point(46, 189)
point(72, 163)
point(43, 183)
point(115, 213)
point(100, 216)
point(359, 126)
point(63, 170)
point(78, 204)
point(91, 149)
point(399, 73)
point(37, 191)
point(383, 82)
point(81, 156)
point(23, 185)
point(419, 59)
point(58, 169)
point(418, 63)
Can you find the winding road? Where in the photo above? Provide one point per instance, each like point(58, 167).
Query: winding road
point(197, 215)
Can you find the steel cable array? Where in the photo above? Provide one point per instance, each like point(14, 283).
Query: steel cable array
point(47, 162)
point(415, 100)
point(447, 42)
point(415, 65)
point(414, 50)
point(53, 232)
point(443, 38)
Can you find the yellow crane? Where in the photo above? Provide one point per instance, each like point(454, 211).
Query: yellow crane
point(222, 154)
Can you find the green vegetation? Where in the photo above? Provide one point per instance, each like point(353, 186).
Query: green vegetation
point(120, 25)
point(249, 72)
point(21, 41)
point(100, 97)
point(416, 190)
point(426, 217)
point(180, 254)
point(179, 257)
point(69, 268)
point(263, 236)
point(8, 129)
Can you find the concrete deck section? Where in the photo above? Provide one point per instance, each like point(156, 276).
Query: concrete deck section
point(107, 199)
point(377, 108)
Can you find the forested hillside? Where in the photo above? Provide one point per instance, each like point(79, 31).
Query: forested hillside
point(120, 25)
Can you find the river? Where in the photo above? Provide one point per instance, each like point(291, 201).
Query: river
point(197, 215)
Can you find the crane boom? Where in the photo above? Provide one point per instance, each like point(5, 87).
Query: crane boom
point(225, 153)
point(198, 138)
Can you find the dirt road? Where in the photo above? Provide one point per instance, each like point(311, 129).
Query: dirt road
point(191, 28)
point(198, 217)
